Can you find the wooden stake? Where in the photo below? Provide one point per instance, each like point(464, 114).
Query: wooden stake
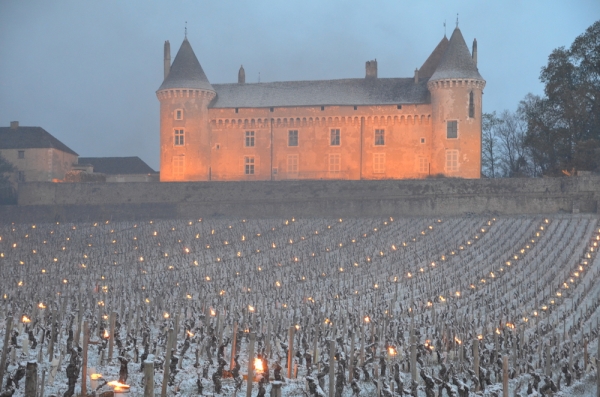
point(5, 349)
point(251, 364)
point(167, 364)
point(290, 357)
point(233, 345)
point(84, 360)
point(332, 368)
point(505, 376)
point(111, 336)
point(149, 379)
point(31, 379)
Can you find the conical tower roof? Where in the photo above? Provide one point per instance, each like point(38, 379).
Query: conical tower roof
point(429, 66)
point(457, 62)
point(186, 71)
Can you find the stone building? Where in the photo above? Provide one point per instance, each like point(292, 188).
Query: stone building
point(35, 153)
point(118, 169)
point(363, 128)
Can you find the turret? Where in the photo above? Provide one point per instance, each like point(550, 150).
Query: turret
point(184, 96)
point(456, 89)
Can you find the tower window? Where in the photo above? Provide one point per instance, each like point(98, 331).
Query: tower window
point(179, 114)
point(179, 134)
point(335, 162)
point(471, 106)
point(292, 163)
point(249, 138)
point(422, 140)
point(398, 106)
point(249, 165)
point(378, 163)
point(178, 167)
point(452, 129)
point(423, 165)
point(236, 110)
point(271, 109)
point(355, 107)
point(379, 137)
point(322, 108)
point(334, 137)
point(451, 160)
point(21, 154)
point(293, 138)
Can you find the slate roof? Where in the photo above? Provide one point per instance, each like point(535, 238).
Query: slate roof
point(380, 91)
point(457, 62)
point(186, 71)
point(428, 67)
point(30, 138)
point(117, 165)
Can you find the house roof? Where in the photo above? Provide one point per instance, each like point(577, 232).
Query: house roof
point(30, 138)
point(457, 62)
point(186, 72)
point(117, 165)
point(380, 91)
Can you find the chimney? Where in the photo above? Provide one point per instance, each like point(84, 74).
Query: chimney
point(416, 76)
point(167, 58)
point(371, 69)
point(14, 125)
point(475, 51)
point(242, 75)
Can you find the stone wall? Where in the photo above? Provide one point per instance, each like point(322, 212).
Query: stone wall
point(431, 197)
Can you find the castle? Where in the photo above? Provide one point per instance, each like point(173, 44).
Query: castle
point(371, 128)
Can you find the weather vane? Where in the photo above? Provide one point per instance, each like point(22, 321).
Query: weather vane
point(186, 29)
point(457, 19)
point(444, 28)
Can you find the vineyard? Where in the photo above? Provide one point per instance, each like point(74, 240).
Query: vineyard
point(301, 307)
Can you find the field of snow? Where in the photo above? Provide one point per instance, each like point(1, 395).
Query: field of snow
point(394, 298)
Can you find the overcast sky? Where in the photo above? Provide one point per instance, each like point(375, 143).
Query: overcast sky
point(87, 71)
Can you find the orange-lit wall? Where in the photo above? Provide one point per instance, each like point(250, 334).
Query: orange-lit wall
point(415, 138)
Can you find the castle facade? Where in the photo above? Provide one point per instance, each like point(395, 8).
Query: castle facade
point(364, 128)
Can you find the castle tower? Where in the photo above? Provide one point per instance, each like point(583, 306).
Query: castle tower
point(456, 89)
point(184, 131)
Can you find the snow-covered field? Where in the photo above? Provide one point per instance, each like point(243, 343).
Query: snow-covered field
point(524, 288)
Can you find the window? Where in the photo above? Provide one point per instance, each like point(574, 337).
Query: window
point(378, 163)
point(451, 160)
point(334, 163)
point(292, 164)
point(21, 154)
point(423, 165)
point(249, 165)
point(178, 167)
point(249, 138)
point(334, 137)
point(21, 176)
point(179, 137)
point(322, 108)
point(422, 140)
point(452, 129)
point(471, 106)
point(293, 138)
point(398, 106)
point(179, 114)
point(379, 137)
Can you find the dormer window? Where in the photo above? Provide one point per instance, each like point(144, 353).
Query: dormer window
point(179, 114)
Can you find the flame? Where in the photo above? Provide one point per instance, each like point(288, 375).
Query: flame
point(95, 376)
point(190, 334)
point(25, 319)
point(510, 325)
point(480, 337)
point(118, 385)
point(105, 335)
point(391, 351)
point(251, 308)
point(258, 365)
point(367, 319)
point(41, 305)
point(498, 331)
point(212, 312)
point(457, 340)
